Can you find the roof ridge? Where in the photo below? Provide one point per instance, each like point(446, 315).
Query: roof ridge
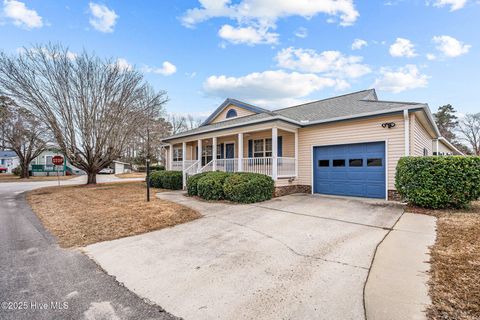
point(330, 98)
point(249, 104)
point(392, 101)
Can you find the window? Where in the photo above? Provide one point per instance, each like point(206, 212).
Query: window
point(323, 163)
point(177, 154)
point(262, 148)
point(339, 163)
point(374, 162)
point(48, 160)
point(219, 151)
point(207, 155)
point(231, 113)
point(355, 162)
point(425, 152)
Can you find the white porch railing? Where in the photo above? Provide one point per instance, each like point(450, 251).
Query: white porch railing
point(263, 165)
point(285, 167)
point(178, 165)
point(206, 168)
point(192, 168)
point(227, 165)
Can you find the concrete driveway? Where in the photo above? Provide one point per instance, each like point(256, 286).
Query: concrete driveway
point(295, 257)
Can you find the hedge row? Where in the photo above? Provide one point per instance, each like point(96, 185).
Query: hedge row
point(152, 168)
point(240, 187)
point(166, 180)
point(439, 182)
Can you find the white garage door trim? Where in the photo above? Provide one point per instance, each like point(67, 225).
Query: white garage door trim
point(312, 147)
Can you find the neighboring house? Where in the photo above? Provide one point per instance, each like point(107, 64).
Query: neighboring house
point(9, 160)
point(121, 167)
point(345, 145)
point(43, 165)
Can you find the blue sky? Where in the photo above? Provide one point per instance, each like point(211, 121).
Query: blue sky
point(271, 53)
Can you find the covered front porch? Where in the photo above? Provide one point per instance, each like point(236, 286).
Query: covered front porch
point(272, 151)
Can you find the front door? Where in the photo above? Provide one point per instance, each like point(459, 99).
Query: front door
point(229, 154)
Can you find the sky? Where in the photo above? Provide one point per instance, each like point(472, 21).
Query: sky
point(271, 53)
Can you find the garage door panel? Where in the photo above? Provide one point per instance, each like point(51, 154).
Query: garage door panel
point(352, 169)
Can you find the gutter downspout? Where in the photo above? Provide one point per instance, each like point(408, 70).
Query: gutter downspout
point(407, 132)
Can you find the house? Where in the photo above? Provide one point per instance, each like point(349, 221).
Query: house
point(9, 160)
point(345, 145)
point(121, 167)
point(42, 165)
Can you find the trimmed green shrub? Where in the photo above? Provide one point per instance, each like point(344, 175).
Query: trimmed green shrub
point(439, 181)
point(210, 185)
point(248, 187)
point(152, 168)
point(166, 180)
point(192, 183)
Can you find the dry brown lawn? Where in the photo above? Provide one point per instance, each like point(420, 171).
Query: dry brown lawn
point(13, 178)
point(455, 270)
point(131, 175)
point(82, 215)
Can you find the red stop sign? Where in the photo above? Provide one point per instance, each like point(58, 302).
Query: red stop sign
point(57, 160)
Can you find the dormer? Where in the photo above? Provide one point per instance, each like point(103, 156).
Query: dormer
point(231, 109)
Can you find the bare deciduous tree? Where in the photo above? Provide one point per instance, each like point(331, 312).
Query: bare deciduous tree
point(183, 123)
point(470, 130)
point(92, 106)
point(23, 133)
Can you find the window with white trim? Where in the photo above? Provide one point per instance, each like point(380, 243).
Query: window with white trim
point(262, 148)
point(177, 154)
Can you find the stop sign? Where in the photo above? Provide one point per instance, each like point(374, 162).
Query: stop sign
point(57, 160)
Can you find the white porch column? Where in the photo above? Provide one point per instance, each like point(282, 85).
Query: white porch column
point(274, 152)
point(214, 153)
point(240, 152)
point(296, 153)
point(437, 146)
point(170, 157)
point(184, 155)
point(199, 144)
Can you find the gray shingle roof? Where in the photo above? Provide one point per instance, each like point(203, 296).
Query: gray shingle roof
point(7, 154)
point(341, 107)
point(352, 104)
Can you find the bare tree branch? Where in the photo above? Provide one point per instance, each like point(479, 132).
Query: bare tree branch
point(92, 106)
point(470, 130)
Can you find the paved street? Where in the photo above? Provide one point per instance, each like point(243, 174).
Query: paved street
point(35, 272)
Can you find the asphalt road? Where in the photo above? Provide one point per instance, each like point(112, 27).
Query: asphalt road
point(40, 280)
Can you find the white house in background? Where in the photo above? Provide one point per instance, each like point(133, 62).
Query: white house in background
point(43, 165)
point(9, 160)
point(121, 167)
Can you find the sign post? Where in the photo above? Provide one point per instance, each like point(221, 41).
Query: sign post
point(57, 161)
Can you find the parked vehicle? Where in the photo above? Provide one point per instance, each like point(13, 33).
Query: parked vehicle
point(106, 171)
point(3, 169)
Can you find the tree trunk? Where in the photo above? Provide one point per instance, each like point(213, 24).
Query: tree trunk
point(92, 178)
point(24, 171)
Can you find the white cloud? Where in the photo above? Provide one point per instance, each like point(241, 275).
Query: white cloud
point(332, 63)
point(401, 79)
point(301, 32)
point(247, 35)
point(359, 44)
point(268, 11)
point(454, 4)
point(263, 14)
point(431, 56)
point(167, 69)
point(402, 48)
point(20, 15)
point(273, 88)
point(123, 64)
point(450, 47)
point(103, 19)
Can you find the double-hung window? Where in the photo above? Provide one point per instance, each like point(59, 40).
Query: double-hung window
point(262, 148)
point(178, 154)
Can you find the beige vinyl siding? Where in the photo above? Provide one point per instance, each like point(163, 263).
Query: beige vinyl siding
point(288, 141)
point(442, 147)
point(223, 115)
point(420, 139)
point(353, 131)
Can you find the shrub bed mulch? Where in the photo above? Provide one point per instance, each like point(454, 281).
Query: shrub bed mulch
point(82, 215)
point(455, 263)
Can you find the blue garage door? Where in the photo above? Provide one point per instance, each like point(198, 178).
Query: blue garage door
point(350, 170)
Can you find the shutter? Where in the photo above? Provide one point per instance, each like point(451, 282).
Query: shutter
point(250, 148)
point(222, 149)
point(279, 148)
point(196, 152)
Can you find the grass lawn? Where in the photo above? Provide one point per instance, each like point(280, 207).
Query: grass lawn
point(5, 177)
point(82, 215)
point(455, 269)
point(131, 175)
